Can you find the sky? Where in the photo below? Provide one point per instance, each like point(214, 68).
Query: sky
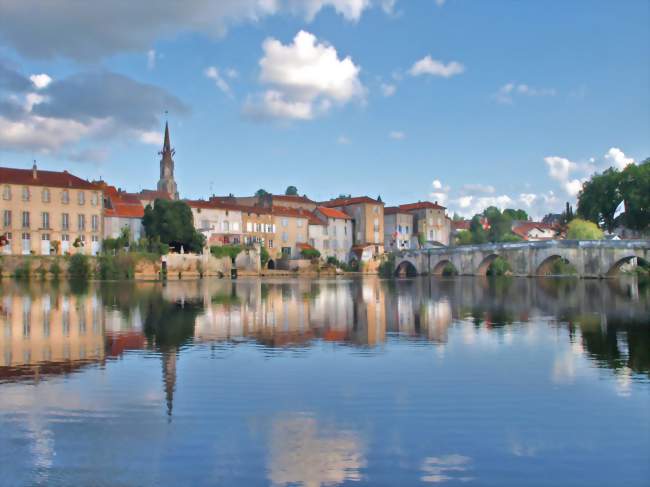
point(465, 102)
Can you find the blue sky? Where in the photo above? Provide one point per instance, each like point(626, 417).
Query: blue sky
point(469, 103)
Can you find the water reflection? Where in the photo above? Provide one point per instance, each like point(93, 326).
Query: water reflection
point(50, 329)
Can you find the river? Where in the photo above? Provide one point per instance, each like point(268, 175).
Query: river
point(322, 382)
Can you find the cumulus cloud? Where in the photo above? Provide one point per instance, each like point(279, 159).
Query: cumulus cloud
point(616, 158)
point(433, 67)
point(110, 27)
point(397, 135)
point(213, 73)
point(305, 79)
point(507, 92)
point(51, 116)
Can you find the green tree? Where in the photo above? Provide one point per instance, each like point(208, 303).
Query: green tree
point(479, 235)
point(599, 198)
point(260, 193)
point(579, 229)
point(464, 237)
point(291, 191)
point(634, 186)
point(171, 223)
point(516, 214)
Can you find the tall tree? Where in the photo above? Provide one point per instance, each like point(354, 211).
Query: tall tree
point(291, 191)
point(172, 223)
point(599, 198)
point(635, 191)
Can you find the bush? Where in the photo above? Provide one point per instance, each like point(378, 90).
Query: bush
point(310, 254)
point(464, 237)
point(509, 237)
point(78, 267)
point(499, 267)
point(121, 266)
point(387, 267)
point(24, 270)
point(231, 251)
point(449, 270)
point(55, 269)
point(264, 256)
point(583, 230)
point(562, 267)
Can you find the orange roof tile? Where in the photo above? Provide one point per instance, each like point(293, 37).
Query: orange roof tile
point(56, 179)
point(333, 213)
point(393, 210)
point(351, 201)
point(122, 204)
point(422, 205)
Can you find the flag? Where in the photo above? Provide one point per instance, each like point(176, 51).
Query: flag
point(620, 209)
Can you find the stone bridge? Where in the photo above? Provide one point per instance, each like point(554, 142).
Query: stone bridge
point(591, 259)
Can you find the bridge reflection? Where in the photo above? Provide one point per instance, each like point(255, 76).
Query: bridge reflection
point(47, 329)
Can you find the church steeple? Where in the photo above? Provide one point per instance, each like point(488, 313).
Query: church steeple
point(166, 182)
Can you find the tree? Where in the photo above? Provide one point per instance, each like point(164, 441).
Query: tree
point(580, 229)
point(479, 235)
point(599, 198)
point(260, 193)
point(634, 186)
point(290, 191)
point(171, 223)
point(516, 214)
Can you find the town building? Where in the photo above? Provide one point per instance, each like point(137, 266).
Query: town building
point(368, 223)
point(291, 231)
point(259, 227)
point(122, 210)
point(431, 225)
point(534, 231)
point(337, 233)
point(49, 212)
point(398, 229)
point(270, 200)
point(220, 223)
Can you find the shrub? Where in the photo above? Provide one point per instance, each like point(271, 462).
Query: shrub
point(510, 237)
point(583, 230)
point(231, 251)
point(562, 267)
point(55, 269)
point(24, 270)
point(310, 254)
point(387, 267)
point(78, 267)
point(499, 267)
point(264, 256)
point(449, 270)
point(121, 266)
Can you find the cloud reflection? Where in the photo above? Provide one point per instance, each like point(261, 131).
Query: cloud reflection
point(307, 454)
point(446, 468)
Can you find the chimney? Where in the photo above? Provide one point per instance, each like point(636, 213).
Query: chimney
point(34, 171)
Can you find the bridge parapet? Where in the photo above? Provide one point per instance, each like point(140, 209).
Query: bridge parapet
point(591, 258)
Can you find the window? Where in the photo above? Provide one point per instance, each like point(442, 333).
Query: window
point(25, 193)
point(46, 220)
point(81, 222)
point(95, 238)
point(205, 225)
point(6, 218)
point(226, 226)
point(25, 219)
point(285, 237)
point(65, 221)
point(345, 230)
point(45, 236)
point(430, 234)
point(45, 195)
point(81, 197)
point(258, 227)
point(235, 226)
point(399, 228)
point(326, 244)
point(299, 223)
point(6, 192)
point(249, 226)
point(94, 223)
point(26, 236)
point(65, 196)
point(270, 243)
point(407, 229)
point(285, 222)
point(65, 237)
point(94, 198)
point(375, 209)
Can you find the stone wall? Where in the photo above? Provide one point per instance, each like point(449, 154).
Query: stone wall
point(184, 266)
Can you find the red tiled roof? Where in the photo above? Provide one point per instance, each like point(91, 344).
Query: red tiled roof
point(216, 205)
point(150, 194)
point(351, 201)
point(394, 210)
point(304, 246)
point(333, 213)
point(297, 213)
point(122, 204)
point(295, 198)
point(55, 179)
point(460, 224)
point(422, 205)
point(523, 228)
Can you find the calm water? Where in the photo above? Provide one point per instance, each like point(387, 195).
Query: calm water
point(325, 382)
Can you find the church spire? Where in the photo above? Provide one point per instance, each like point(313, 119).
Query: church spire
point(167, 147)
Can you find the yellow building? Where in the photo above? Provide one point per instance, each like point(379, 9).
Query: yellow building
point(49, 212)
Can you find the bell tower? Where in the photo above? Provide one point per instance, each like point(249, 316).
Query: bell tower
point(166, 182)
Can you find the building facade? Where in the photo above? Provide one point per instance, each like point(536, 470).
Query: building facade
point(337, 233)
point(430, 222)
point(122, 211)
point(368, 222)
point(398, 229)
point(49, 212)
point(221, 224)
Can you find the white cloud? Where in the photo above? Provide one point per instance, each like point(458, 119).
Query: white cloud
point(617, 158)
point(40, 81)
point(306, 78)
point(349, 9)
point(151, 59)
point(45, 135)
point(507, 92)
point(388, 89)
point(232, 73)
point(213, 73)
point(440, 192)
point(343, 140)
point(433, 67)
point(397, 135)
point(561, 169)
point(153, 137)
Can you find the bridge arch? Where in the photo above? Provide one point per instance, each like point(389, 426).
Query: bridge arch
point(615, 269)
point(406, 269)
point(555, 265)
point(442, 267)
point(483, 267)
